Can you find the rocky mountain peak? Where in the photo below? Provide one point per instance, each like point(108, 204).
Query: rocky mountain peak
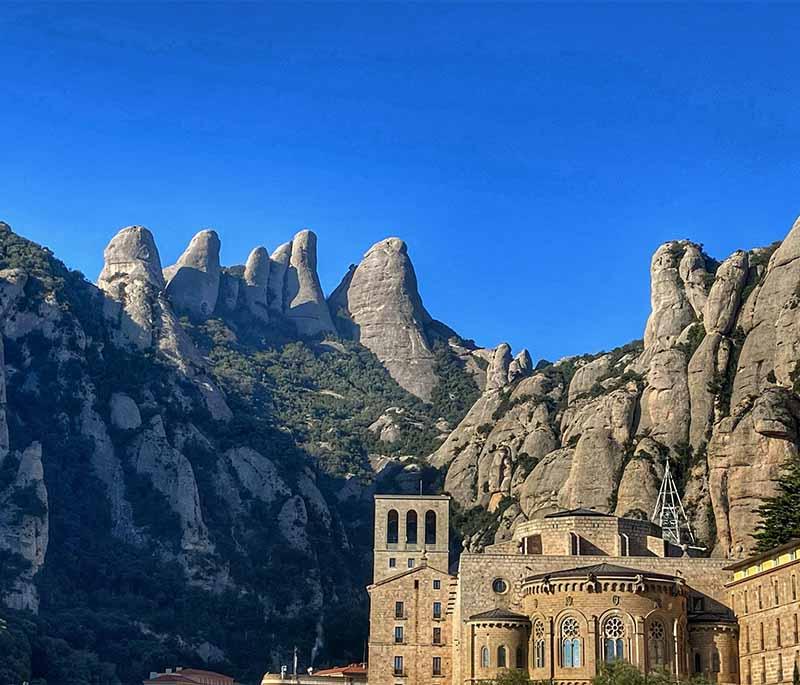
point(304, 301)
point(256, 280)
point(378, 304)
point(193, 281)
point(131, 255)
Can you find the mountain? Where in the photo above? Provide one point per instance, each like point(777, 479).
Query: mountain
point(188, 454)
point(187, 458)
point(712, 385)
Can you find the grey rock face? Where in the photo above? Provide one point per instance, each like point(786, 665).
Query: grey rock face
point(171, 474)
point(132, 277)
point(229, 286)
point(279, 263)
point(124, 412)
point(142, 315)
point(378, 304)
point(131, 255)
point(760, 314)
point(193, 282)
point(670, 311)
point(257, 474)
point(292, 523)
point(304, 301)
point(25, 532)
point(587, 375)
point(638, 488)
point(723, 299)
point(521, 366)
point(497, 374)
point(256, 281)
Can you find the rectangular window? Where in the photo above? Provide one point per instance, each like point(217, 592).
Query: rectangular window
point(763, 669)
point(392, 562)
point(794, 588)
point(437, 584)
point(410, 563)
point(745, 601)
point(399, 610)
point(761, 637)
point(778, 632)
point(746, 639)
point(437, 609)
point(794, 629)
point(758, 594)
point(398, 635)
point(780, 667)
point(437, 665)
point(437, 636)
point(398, 665)
point(776, 594)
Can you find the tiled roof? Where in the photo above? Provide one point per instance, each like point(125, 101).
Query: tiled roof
point(498, 614)
point(580, 511)
point(350, 669)
point(603, 569)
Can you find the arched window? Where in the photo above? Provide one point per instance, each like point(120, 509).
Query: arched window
point(698, 663)
point(538, 644)
point(657, 644)
point(715, 661)
point(502, 660)
point(570, 643)
point(520, 658)
point(614, 638)
point(430, 527)
point(411, 527)
point(392, 528)
point(484, 657)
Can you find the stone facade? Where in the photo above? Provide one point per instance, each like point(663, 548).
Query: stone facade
point(529, 603)
point(764, 597)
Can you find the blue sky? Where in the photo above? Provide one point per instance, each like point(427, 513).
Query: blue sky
point(532, 156)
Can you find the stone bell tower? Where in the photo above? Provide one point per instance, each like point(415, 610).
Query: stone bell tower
point(408, 527)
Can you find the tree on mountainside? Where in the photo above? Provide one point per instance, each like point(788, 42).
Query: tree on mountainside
point(780, 514)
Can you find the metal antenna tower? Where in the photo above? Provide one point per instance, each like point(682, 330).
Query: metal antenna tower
point(669, 512)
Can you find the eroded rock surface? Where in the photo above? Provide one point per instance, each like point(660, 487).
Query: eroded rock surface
point(304, 302)
point(378, 304)
point(193, 281)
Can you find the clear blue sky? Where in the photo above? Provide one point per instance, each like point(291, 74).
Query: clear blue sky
point(532, 156)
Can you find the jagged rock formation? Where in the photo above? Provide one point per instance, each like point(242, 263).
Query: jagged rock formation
point(141, 314)
point(713, 385)
point(193, 281)
point(113, 415)
point(378, 305)
point(279, 263)
point(304, 302)
point(256, 281)
point(209, 443)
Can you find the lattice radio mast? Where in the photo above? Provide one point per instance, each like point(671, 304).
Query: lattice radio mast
point(670, 514)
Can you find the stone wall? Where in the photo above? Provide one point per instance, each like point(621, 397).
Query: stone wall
point(418, 590)
point(477, 571)
point(767, 607)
